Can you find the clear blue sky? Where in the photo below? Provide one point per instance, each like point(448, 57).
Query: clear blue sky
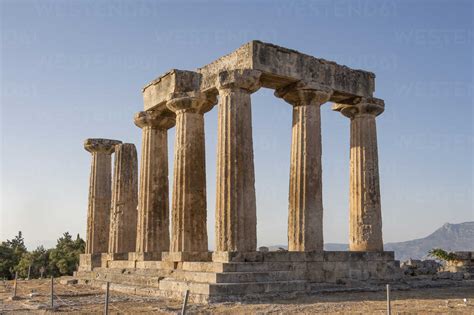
point(74, 69)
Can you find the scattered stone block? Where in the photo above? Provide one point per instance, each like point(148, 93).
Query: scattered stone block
point(67, 280)
point(414, 267)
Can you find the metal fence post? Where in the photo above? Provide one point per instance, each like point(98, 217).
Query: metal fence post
point(389, 308)
point(15, 284)
point(106, 307)
point(52, 292)
point(185, 302)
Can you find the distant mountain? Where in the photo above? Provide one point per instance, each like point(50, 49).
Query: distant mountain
point(450, 237)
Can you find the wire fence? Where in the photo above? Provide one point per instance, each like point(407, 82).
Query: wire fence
point(36, 295)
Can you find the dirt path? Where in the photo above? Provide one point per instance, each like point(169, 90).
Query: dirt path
point(81, 299)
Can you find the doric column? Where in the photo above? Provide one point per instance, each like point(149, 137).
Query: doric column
point(153, 199)
point(365, 210)
point(123, 221)
point(189, 212)
point(98, 213)
point(305, 213)
point(236, 216)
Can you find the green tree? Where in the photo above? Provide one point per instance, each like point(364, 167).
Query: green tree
point(442, 255)
point(7, 260)
point(64, 259)
point(18, 244)
point(11, 253)
point(36, 259)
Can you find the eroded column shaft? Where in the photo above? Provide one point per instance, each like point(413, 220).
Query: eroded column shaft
point(189, 217)
point(123, 220)
point(153, 200)
point(365, 208)
point(99, 203)
point(305, 217)
point(305, 209)
point(236, 218)
point(365, 214)
point(98, 212)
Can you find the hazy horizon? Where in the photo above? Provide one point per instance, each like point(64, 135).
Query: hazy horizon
point(75, 70)
point(52, 243)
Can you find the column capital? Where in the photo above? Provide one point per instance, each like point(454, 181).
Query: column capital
point(303, 93)
point(364, 106)
point(244, 79)
point(163, 119)
point(194, 102)
point(100, 145)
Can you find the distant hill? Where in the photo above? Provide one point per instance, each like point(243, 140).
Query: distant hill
point(450, 237)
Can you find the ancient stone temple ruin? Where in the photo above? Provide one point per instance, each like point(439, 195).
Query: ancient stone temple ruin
point(135, 242)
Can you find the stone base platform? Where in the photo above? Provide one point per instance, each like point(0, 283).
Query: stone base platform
point(239, 276)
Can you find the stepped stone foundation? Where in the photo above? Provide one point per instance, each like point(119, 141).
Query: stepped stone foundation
point(237, 276)
point(145, 257)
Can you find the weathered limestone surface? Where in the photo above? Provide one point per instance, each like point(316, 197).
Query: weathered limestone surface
point(279, 67)
point(153, 199)
point(98, 213)
point(236, 214)
point(252, 275)
point(88, 262)
point(365, 209)
point(464, 262)
point(189, 207)
point(123, 221)
point(305, 213)
point(157, 92)
point(143, 258)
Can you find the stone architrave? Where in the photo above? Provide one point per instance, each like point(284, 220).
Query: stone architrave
point(123, 221)
point(189, 207)
point(279, 66)
point(305, 213)
point(236, 216)
point(365, 232)
point(98, 214)
point(153, 199)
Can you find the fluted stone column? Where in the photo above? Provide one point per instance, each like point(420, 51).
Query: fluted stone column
point(236, 216)
point(98, 213)
point(305, 213)
point(123, 221)
point(189, 208)
point(365, 209)
point(153, 199)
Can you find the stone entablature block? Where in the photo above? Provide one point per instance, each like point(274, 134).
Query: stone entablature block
point(279, 67)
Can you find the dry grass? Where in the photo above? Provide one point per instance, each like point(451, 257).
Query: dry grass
point(81, 299)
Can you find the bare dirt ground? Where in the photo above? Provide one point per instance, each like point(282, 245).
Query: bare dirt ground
point(82, 299)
